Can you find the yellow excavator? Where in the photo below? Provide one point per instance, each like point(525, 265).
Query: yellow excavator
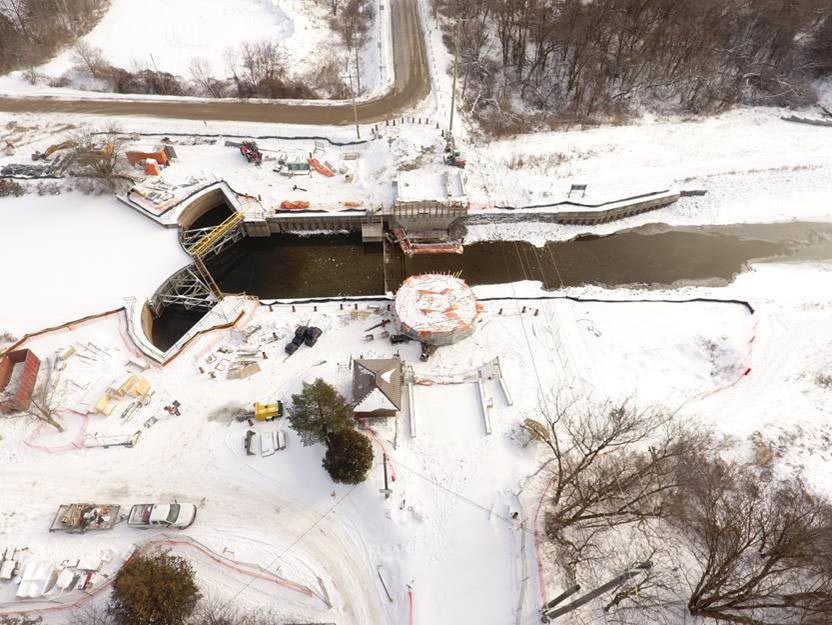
point(66, 145)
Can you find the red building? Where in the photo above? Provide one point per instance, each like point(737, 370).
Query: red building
point(18, 374)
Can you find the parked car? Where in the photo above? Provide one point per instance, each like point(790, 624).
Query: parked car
point(312, 335)
point(162, 515)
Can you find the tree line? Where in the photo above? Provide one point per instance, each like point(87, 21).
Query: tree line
point(32, 31)
point(579, 59)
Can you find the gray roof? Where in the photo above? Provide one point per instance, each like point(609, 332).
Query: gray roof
point(385, 374)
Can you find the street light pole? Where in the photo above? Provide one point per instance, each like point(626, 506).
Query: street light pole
point(355, 110)
point(453, 87)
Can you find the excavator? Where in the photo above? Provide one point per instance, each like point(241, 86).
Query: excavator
point(41, 156)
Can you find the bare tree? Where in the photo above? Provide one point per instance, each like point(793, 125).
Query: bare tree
point(90, 57)
point(100, 155)
point(353, 23)
point(762, 551)
point(200, 69)
point(17, 11)
point(610, 466)
point(259, 69)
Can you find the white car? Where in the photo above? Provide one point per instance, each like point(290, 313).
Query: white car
point(162, 515)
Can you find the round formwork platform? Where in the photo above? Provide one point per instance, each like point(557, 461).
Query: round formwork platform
point(436, 309)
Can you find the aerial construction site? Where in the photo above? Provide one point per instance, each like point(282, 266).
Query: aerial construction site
point(361, 319)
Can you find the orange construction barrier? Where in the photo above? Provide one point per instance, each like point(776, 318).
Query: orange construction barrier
point(286, 205)
point(315, 164)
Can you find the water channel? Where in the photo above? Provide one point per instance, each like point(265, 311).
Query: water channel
point(290, 266)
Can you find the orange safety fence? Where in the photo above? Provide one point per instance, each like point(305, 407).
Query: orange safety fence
point(247, 569)
point(63, 326)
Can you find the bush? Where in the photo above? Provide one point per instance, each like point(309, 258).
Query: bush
point(20, 620)
point(154, 590)
point(10, 187)
point(318, 412)
point(349, 457)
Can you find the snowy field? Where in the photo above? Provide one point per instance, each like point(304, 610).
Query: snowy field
point(174, 33)
point(74, 255)
point(167, 36)
point(745, 147)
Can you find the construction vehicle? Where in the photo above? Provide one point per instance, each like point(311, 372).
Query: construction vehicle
point(304, 335)
point(77, 518)
point(252, 153)
point(162, 515)
point(66, 145)
point(452, 155)
point(452, 158)
point(267, 412)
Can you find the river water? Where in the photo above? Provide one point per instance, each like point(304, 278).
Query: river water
point(289, 266)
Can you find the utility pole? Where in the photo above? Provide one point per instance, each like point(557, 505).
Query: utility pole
point(357, 71)
point(355, 110)
point(385, 491)
point(453, 87)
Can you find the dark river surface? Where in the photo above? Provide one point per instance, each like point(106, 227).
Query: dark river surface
point(290, 266)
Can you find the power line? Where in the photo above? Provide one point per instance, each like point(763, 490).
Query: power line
point(289, 548)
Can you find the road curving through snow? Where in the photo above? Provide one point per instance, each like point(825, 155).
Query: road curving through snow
point(410, 86)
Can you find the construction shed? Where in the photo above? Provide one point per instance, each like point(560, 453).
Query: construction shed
point(376, 387)
point(134, 157)
point(18, 374)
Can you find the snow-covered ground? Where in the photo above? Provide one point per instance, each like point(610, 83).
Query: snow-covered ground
point(73, 255)
point(446, 534)
point(655, 153)
point(167, 36)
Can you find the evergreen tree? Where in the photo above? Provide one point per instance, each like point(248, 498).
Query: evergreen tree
point(349, 457)
point(154, 590)
point(319, 411)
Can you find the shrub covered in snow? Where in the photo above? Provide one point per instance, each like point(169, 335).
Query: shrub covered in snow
point(154, 590)
point(349, 457)
point(319, 411)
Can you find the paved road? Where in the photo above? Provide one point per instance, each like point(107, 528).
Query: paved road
point(412, 83)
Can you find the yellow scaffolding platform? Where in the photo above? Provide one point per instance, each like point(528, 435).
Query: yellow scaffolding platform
point(204, 245)
point(207, 242)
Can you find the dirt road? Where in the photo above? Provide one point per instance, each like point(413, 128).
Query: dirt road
point(412, 83)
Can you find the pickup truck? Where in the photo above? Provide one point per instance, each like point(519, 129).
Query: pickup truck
point(162, 515)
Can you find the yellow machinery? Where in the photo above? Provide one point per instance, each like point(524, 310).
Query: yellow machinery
point(267, 412)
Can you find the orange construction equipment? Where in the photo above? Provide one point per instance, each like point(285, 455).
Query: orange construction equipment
point(297, 205)
point(315, 164)
point(159, 156)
